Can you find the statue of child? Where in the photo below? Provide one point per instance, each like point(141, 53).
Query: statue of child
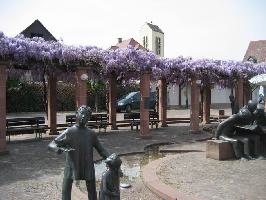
point(109, 189)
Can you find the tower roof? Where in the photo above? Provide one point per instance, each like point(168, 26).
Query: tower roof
point(37, 29)
point(155, 28)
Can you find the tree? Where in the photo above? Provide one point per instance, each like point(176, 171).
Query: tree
point(95, 87)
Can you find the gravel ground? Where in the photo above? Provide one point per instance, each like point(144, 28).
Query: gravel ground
point(194, 174)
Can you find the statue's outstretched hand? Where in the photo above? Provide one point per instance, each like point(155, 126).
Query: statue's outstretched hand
point(68, 149)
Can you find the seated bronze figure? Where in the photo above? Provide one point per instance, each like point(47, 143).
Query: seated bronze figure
point(241, 132)
point(78, 142)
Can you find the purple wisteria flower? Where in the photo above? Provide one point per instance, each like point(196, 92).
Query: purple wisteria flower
point(40, 56)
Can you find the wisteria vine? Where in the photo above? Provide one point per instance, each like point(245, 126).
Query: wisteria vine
point(40, 56)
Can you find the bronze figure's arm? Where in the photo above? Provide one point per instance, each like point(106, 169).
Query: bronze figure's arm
point(60, 143)
point(101, 150)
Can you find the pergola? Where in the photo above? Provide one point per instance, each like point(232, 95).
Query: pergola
point(62, 61)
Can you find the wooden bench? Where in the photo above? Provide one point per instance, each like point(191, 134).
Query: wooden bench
point(25, 125)
point(133, 119)
point(175, 120)
point(154, 119)
point(97, 120)
point(218, 118)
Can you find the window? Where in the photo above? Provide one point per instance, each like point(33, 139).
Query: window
point(158, 46)
point(252, 59)
point(145, 42)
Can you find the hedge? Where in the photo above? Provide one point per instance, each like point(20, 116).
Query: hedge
point(28, 97)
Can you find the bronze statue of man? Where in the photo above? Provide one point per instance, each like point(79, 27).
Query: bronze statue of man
point(78, 142)
point(241, 138)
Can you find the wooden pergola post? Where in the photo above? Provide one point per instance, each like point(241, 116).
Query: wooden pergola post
point(144, 104)
point(162, 101)
point(194, 107)
point(206, 103)
point(3, 78)
point(51, 97)
point(81, 87)
point(112, 101)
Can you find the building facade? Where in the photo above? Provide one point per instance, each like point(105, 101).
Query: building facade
point(256, 52)
point(152, 38)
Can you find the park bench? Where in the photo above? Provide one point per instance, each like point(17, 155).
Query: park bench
point(174, 120)
point(97, 120)
point(218, 118)
point(133, 119)
point(154, 118)
point(25, 125)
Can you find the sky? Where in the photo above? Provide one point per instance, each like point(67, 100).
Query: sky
point(218, 29)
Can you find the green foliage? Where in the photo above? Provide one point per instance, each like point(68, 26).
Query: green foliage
point(13, 83)
point(28, 97)
point(94, 86)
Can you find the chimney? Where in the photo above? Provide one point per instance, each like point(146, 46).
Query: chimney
point(119, 40)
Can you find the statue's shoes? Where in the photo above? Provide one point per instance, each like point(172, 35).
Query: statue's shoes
point(261, 158)
point(244, 159)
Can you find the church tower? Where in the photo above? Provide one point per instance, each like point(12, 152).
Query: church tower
point(152, 38)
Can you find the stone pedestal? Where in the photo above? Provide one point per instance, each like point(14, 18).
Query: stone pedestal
point(219, 150)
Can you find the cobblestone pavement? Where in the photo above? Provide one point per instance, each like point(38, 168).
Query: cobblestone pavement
point(194, 174)
point(31, 172)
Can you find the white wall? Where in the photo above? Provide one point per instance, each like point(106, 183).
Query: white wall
point(173, 95)
point(146, 31)
point(220, 95)
point(154, 35)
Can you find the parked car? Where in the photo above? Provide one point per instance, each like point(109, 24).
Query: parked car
point(131, 102)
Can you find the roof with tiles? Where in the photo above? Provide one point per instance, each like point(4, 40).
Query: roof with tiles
point(257, 51)
point(155, 28)
point(129, 42)
point(37, 29)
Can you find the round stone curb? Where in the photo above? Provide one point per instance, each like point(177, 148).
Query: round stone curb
point(162, 190)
